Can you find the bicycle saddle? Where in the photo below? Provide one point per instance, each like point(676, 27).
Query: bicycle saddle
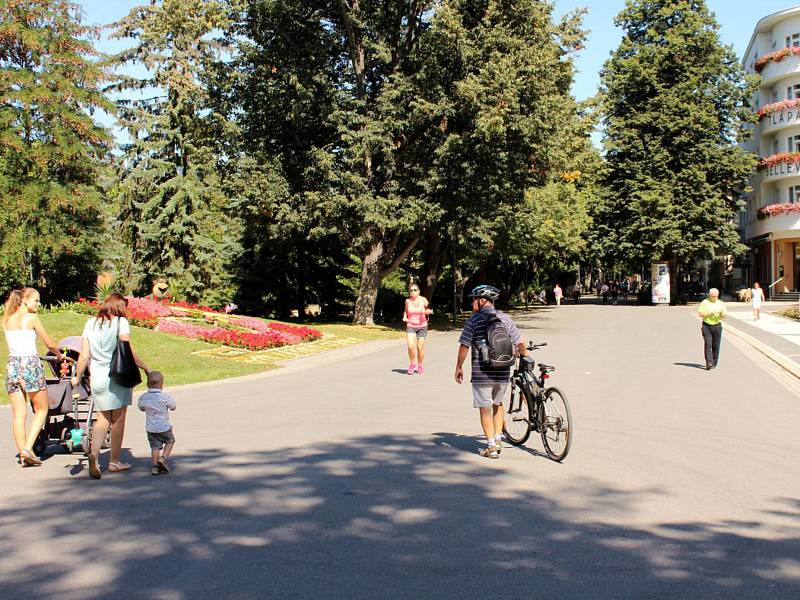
point(545, 368)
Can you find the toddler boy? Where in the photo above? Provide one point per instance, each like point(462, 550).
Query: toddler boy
point(156, 405)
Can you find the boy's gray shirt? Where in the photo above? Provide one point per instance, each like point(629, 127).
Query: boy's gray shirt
point(156, 405)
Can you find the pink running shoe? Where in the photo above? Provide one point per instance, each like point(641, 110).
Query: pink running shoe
point(411, 369)
point(420, 370)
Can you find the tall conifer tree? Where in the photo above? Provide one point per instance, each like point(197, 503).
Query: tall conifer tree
point(675, 98)
point(51, 150)
point(171, 203)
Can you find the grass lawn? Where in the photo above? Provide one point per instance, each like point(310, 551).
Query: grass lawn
point(172, 355)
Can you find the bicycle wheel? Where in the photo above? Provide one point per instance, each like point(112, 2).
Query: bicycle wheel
point(556, 424)
point(517, 416)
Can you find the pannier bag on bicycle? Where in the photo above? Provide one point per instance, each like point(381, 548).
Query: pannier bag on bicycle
point(498, 349)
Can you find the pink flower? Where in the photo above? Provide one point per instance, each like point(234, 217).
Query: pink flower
point(777, 209)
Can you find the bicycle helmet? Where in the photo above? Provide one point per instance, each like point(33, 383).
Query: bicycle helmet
point(485, 291)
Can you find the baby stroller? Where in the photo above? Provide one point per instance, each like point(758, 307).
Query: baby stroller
point(71, 415)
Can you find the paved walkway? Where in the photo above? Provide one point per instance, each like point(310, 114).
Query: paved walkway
point(774, 333)
point(350, 479)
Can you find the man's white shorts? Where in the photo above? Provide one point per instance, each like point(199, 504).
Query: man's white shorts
point(488, 394)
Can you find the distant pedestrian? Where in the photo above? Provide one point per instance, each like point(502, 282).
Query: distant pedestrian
point(482, 336)
point(576, 292)
point(757, 298)
point(558, 293)
point(712, 310)
point(25, 380)
point(614, 293)
point(156, 405)
point(604, 291)
point(415, 316)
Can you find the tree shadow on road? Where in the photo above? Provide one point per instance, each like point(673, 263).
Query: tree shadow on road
point(382, 516)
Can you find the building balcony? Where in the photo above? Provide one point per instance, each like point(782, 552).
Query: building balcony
point(775, 70)
point(780, 166)
point(780, 219)
point(778, 116)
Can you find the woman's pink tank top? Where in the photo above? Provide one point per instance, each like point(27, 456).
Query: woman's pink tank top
point(416, 317)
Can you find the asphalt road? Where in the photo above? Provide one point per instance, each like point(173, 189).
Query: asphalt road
point(351, 479)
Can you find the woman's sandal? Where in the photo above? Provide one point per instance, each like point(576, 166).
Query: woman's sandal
point(118, 467)
point(29, 459)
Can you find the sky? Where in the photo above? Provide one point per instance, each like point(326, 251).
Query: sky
point(737, 19)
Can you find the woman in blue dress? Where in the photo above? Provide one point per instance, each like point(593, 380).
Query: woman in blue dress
point(110, 399)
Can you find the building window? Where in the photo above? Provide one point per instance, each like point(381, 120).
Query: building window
point(794, 194)
point(793, 40)
point(793, 91)
point(793, 143)
point(775, 148)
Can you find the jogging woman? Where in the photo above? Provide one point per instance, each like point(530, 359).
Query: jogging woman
point(415, 316)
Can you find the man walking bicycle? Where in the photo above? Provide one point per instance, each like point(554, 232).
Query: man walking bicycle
point(493, 340)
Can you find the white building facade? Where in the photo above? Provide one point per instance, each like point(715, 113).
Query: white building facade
point(771, 222)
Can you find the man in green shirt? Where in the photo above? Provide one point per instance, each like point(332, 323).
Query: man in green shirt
point(712, 310)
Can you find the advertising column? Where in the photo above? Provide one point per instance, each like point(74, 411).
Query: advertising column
point(659, 276)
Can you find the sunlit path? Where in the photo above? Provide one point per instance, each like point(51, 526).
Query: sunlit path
point(354, 480)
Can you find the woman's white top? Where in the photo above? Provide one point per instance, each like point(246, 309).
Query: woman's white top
point(21, 342)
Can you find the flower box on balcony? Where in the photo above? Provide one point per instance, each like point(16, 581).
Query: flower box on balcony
point(778, 107)
point(778, 209)
point(776, 56)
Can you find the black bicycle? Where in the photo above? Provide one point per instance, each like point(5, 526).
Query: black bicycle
point(533, 407)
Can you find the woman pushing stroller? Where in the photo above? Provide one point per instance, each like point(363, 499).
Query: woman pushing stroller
point(24, 373)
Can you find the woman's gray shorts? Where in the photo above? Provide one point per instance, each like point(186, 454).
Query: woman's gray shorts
point(422, 332)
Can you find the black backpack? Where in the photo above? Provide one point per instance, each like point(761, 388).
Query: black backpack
point(499, 344)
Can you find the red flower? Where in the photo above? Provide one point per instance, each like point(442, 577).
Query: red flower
point(776, 56)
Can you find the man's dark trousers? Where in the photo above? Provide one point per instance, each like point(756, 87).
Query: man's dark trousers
point(712, 336)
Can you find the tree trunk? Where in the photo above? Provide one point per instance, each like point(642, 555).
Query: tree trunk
point(432, 267)
point(379, 262)
point(370, 283)
point(674, 281)
point(460, 281)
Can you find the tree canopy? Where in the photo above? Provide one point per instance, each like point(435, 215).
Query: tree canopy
point(52, 152)
point(673, 97)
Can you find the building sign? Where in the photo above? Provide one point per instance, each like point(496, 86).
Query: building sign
point(784, 117)
point(783, 168)
point(659, 281)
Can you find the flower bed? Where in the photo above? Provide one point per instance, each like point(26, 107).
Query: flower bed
point(776, 56)
point(220, 335)
point(219, 327)
point(777, 209)
point(777, 107)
